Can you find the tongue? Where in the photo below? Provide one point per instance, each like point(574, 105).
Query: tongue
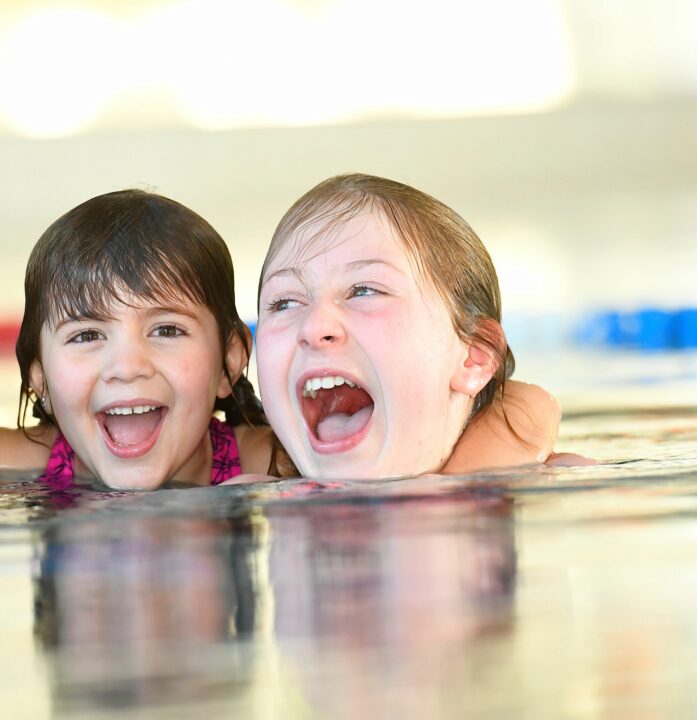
point(338, 426)
point(132, 429)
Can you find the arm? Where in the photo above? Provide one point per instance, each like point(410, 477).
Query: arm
point(18, 452)
point(488, 442)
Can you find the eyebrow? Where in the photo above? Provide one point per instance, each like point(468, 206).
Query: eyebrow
point(80, 318)
point(174, 309)
point(358, 264)
point(294, 271)
point(297, 272)
point(157, 310)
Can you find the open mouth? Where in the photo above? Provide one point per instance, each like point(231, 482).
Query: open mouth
point(131, 431)
point(336, 410)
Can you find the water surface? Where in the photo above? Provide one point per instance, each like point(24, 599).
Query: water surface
point(535, 593)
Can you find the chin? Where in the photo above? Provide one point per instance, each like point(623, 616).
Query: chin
point(343, 469)
point(131, 481)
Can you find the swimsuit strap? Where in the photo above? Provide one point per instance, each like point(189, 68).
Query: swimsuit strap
point(226, 454)
point(60, 470)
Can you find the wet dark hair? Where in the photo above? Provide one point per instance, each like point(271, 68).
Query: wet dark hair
point(129, 242)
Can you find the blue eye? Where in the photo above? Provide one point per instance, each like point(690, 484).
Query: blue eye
point(281, 305)
point(363, 291)
point(86, 336)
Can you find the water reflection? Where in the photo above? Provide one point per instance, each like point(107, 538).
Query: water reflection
point(132, 611)
point(297, 600)
point(383, 605)
point(336, 607)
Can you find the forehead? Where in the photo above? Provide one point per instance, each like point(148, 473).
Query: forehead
point(115, 305)
point(367, 235)
point(175, 301)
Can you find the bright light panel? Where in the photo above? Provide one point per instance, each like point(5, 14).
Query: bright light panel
point(224, 64)
point(59, 71)
point(266, 64)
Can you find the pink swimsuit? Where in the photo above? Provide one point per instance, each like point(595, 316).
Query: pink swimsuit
point(60, 471)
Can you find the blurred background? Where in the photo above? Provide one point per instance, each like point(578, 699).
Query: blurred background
point(564, 131)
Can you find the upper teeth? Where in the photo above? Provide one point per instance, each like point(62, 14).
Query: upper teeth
point(312, 385)
point(138, 410)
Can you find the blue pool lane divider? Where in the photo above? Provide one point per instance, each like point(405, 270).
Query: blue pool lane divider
point(646, 329)
point(643, 330)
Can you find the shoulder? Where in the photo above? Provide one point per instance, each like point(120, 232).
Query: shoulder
point(254, 443)
point(519, 428)
point(533, 411)
point(20, 451)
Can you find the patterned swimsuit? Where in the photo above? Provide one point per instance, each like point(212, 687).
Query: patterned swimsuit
point(60, 471)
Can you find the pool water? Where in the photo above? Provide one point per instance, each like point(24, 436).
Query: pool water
point(533, 593)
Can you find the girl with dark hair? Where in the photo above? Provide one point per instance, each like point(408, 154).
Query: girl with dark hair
point(130, 340)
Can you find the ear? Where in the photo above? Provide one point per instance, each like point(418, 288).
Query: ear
point(480, 361)
point(37, 381)
point(236, 358)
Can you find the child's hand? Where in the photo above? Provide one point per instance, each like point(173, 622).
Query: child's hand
point(569, 460)
point(248, 479)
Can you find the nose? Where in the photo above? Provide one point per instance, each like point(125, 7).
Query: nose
point(322, 326)
point(127, 359)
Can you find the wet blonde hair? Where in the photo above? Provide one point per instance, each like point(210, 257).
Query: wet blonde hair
point(445, 250)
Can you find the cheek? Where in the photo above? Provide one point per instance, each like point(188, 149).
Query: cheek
point(387, 338)
point(69, 382)
point(405, 343)
point(271, 359)
point(417, 361)
point(197, 376)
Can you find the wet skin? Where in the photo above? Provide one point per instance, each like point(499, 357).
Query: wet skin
point(147, 355)
point(356, 307)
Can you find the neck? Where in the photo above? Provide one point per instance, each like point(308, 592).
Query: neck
point(197, 469)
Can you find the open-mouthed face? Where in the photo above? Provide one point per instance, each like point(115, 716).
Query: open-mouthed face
point(133, 392)
point(356, 354)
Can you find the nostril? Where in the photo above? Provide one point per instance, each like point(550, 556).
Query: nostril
point(321, 326)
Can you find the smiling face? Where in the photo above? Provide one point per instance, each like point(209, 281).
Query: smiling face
point(133, 391)
point(360, 368)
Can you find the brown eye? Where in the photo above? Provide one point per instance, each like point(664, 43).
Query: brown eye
point(167, 331)
point(86, 336)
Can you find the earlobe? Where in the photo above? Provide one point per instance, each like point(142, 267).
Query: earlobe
point(474, 372)
point(37, 381)
point(236, 358)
